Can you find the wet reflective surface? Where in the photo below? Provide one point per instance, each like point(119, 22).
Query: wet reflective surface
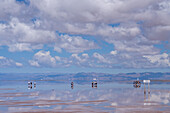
point(71, 97)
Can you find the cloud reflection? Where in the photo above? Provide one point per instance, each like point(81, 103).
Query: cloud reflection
point(112, 99)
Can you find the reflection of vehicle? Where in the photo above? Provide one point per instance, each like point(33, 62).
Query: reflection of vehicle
point(146, 101)
point(146, 81)
point(94, 83)
point(136, 84)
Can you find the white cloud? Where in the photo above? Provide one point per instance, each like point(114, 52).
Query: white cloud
point(28, 34)
point(34, 63)
point(119, 60)
point(20, 47)
point(162, 60)
point(82, 60)
point(113, 52)
point(85, 55)
point(1, 57)
point(18, 64)
point(100, 58)
point(57, 58)
point(19, 36)
point(44, 59)
point(160, 33)
point(121, 32)
point(23, 47)
point(139, 45)
point(9, 7)
point(57, 49)
point(23, 37)
point(142, 24)
point(6, 62)
point(90, 11)
point(74, 44)
point(76, 57)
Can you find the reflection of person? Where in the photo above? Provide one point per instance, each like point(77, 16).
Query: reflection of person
point(30, 85)
point(34, 85)
point(94, 84)
point(72, 85)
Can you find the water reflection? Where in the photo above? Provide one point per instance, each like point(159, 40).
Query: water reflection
point(146, 91)
point(31, 85)
point(109, 97)
point(72, 85)
point(94, 83)
point(136, 84)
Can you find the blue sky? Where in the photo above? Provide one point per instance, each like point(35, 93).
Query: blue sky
point(109, 36)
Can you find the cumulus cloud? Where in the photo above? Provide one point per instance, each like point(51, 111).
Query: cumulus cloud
point(113, 52)
point(19, 36)
point(90, 11)
point(9, 7)
point(100, 58)
point(80, 60)
point(74, 44)
point(44, 59)
point(6, 62)
point(160, 33)
point(134, 46)
point(132, 27)
point(162, 60)
point(18, 64)
point(20, 47)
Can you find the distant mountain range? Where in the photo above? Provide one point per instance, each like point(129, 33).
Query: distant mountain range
point(80, 77)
